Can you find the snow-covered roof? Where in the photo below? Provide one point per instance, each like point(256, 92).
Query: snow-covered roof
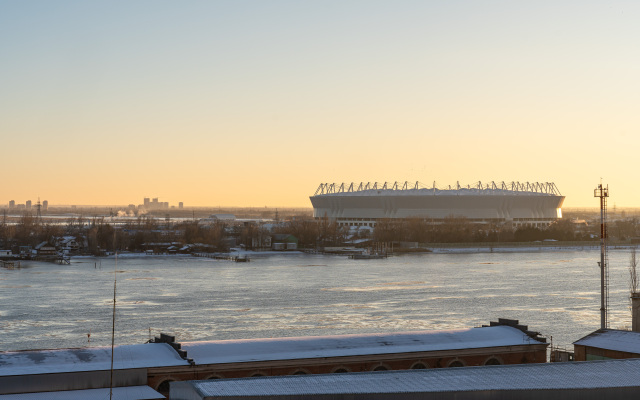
point(31, 362)
point(246, 350)
point(119, 393)
point(612, 339)
point(547, 376)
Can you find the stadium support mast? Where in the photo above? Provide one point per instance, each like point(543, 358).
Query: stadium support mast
point(603, 193)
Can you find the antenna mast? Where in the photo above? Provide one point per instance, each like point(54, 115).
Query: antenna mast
point(603, 193)
point(113, 322)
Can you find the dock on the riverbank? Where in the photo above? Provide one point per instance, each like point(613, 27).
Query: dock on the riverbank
point(9, 264)
point(58, 259)
point(224, 257)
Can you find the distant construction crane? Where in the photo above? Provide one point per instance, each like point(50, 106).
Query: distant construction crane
point(603, 193)
point(39, 209)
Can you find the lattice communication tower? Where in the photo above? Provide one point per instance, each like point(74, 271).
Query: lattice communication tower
point(603, 194)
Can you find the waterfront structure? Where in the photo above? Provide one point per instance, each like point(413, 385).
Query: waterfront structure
point(365, 204)
point(85, 372)
point(618, 379)
point(163, 360)
point(505, 342)
point(606, 344)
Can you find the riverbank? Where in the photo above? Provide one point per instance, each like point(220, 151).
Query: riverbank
point(514, 247)
point(422, 249)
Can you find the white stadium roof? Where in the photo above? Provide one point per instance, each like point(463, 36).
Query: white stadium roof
point(417, 189)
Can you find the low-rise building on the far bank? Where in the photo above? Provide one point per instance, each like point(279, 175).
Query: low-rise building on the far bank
point(217, 218)
point(284, 241)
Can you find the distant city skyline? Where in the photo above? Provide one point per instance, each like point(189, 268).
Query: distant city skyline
point(251, 103)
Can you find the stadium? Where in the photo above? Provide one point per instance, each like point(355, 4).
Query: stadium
point(520, 204)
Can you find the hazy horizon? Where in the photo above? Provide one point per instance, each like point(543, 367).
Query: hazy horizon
point(255, 103)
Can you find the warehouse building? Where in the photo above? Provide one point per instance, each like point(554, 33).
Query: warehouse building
point(607, 344)
point(504, 342)
point(618, 379)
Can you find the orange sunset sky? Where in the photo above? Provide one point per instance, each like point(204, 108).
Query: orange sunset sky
point(254, 103)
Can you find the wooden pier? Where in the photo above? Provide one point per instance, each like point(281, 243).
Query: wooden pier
point(224, 257)
point(58, 259)
point(9, 264)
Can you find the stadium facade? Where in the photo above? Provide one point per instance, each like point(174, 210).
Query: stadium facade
point(365, 204)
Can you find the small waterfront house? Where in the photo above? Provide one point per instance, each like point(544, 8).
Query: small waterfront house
point(284, 241)
point(607, 344)
point(45, 249)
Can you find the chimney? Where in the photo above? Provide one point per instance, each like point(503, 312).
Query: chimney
point(635, 311)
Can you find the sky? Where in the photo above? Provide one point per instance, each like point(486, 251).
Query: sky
point(255, 103)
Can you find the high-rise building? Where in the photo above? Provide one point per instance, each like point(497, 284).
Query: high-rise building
point(181, 205)
point(146, 202)
point(28, 205)
point(45, 205)
point(12, 204)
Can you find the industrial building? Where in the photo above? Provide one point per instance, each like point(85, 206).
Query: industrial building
point(147, 370)
point(364, 204)
point(505, 342)
point(84, 373)
point(607, 344)
point(617, 379)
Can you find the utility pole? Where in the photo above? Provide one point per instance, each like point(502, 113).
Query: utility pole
point(603, 193)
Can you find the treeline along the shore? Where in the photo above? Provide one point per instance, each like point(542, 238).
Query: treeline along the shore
point(97, 235)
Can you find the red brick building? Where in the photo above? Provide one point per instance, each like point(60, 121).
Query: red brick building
point(607, 344)
point(505, 342)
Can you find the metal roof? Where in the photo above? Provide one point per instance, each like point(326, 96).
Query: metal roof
point(246, 350)
point(612, 339)
point(119, 393)
point(31, 362)
point(418, 189)
point(553, 376)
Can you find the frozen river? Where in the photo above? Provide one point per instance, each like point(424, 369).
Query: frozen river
point(555, 292)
